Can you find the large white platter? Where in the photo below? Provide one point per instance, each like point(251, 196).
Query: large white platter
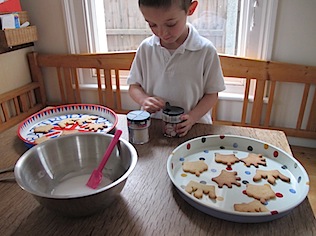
point(54, 115)
point(288, 195)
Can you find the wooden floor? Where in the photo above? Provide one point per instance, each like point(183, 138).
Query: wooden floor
point(307, 157)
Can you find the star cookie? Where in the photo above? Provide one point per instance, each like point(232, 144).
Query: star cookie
point(254, 159)
point(95, 127)
point(227, 178)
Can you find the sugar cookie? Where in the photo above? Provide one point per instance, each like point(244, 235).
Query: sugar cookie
point(199, 189)
point(194, 167)
point(228, 159)
point(271, 175)
point(254, 206)
point(43, 128)
point(95, 127)
point(68, 121)
point(227, 178)
point(87, 119)
point(260, 192)
point(254, 159)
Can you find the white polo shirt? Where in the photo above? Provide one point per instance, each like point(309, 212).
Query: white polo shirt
point(180, 78)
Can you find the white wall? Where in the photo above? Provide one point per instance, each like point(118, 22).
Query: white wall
point(295, 42)
point(295, 36)
point(14, 69)
point(48, 17)
point(294, 39)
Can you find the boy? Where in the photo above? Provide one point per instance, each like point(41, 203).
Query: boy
point(175, 65)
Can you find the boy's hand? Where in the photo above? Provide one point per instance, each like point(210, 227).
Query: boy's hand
point(153, 104)
point(186, 124)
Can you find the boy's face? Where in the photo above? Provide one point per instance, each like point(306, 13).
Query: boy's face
point(169, 24)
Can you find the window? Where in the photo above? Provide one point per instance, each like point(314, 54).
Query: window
point(214, 19)
point(236, 27)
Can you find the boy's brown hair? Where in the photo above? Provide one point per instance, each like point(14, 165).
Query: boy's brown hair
point(184, 4)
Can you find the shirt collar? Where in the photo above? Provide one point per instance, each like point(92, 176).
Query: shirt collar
point(192, 43)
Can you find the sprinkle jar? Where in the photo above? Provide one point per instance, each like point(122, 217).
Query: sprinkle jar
point(138, 123)
point(171, 117)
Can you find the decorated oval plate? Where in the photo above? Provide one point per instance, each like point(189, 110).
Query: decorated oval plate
point(237, 178)
point(62, 120)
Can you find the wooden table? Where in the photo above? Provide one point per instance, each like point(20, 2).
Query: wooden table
point(149, 203)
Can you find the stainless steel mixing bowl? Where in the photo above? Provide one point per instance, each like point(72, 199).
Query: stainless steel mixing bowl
point(40, 169)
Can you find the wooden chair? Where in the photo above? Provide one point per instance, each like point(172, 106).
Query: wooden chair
point(105, 66)
point(267, 75)
point(18, 104)
point(258, 107)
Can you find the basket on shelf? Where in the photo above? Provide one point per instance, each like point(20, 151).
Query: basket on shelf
point(15, 37)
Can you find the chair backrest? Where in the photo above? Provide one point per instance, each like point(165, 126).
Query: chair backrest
point(18, 104)
point(105, 66)
point(258, 106)
point(268, 76)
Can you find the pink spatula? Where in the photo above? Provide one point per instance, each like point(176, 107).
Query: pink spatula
point(96, 175)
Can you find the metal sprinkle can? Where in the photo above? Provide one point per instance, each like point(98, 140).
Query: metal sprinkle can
point(138, 123)
point(171, 117)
